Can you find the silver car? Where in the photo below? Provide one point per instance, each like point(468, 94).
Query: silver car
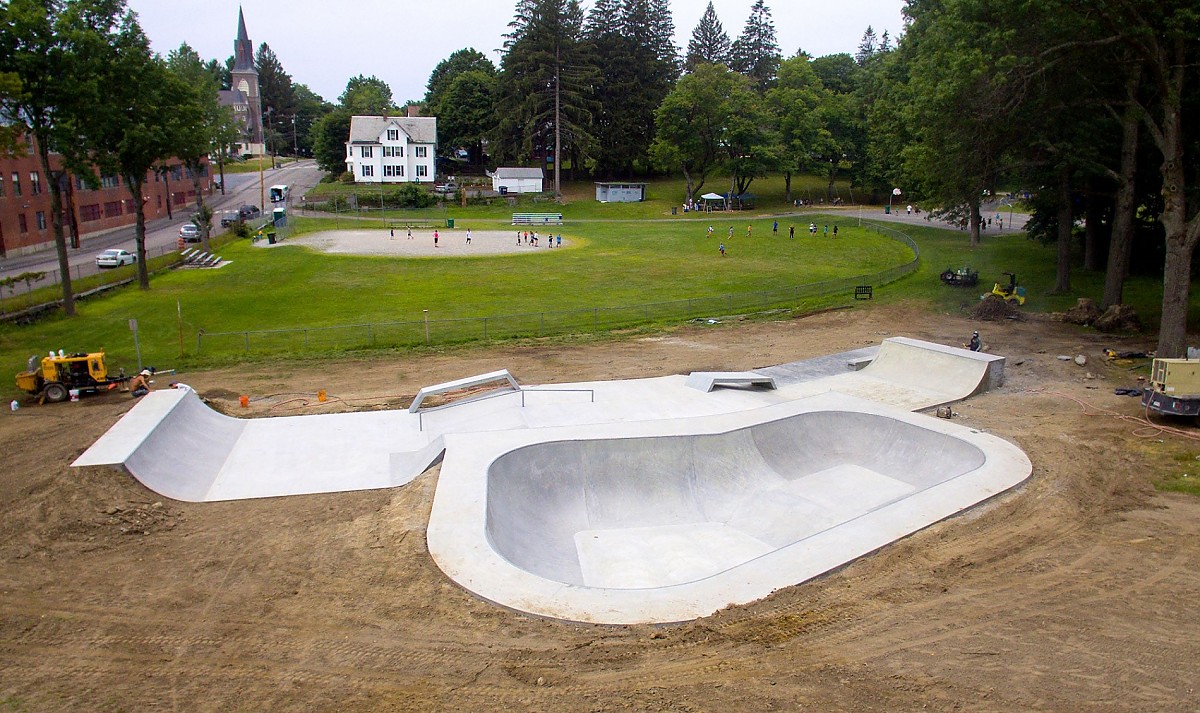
point(115, 257)
point(190, 233)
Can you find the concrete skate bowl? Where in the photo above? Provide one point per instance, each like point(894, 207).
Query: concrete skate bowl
point(671, 527)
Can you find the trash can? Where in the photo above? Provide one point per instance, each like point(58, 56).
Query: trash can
point(887, 209)
point(270, 238)
point(673, 210)
point(449, 222)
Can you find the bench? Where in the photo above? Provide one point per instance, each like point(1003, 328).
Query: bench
point(708, 380)
point(479, 380)
point(413, 223)
point(863, 292)
point(537, 218)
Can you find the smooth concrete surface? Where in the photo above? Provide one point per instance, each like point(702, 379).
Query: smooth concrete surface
point(674, 519)
point(177, 446)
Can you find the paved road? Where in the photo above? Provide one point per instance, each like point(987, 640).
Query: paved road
point(162, 233)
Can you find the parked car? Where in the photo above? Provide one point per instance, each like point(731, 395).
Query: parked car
point(445, 188)
point(115, 257)
point(190, 233)
point(246, 212)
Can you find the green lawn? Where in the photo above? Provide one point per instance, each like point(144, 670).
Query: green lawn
point(619, 273)
point(614, 265)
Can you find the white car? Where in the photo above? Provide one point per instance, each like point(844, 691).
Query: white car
point(115, 258)
point(190, 233)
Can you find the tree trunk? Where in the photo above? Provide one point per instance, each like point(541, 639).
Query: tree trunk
point(691, 190)
point(1091, 234)
point(557, 128)
point(973, 223)
point(1062, 275)
point(832, 178)
point(1120, 246)
point(205, 223)
point(136, 188)
point(1181, 237)
point(166, 176)
point(60, 240)
point(787, 187)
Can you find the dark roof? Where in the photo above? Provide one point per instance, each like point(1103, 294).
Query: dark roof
point(243, 48)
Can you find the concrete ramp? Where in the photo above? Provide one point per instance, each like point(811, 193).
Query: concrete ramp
point(708, 380)
point(177, 446)
point(913, 374)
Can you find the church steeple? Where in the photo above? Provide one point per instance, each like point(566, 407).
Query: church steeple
point(243, 48)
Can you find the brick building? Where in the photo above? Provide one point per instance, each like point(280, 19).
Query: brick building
point(25, 221)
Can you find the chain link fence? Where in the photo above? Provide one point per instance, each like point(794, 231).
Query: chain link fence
point(536, 324)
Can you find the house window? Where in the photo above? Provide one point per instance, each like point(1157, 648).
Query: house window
point(40, 217)
point(422, 170)
point(1, 186)
point(420, 151)
point(400, 171)
point(366, 152)
point(17, 185)
point(112, 209)
point(393, 134)
point(367, 170)
point(35, 183)
point(130, 206)
point(21, 223)
point(400, 151)
point(349, 151)
point(89, 212)
point(109, 182)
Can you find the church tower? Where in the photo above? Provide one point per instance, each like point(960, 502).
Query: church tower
point(245, 80)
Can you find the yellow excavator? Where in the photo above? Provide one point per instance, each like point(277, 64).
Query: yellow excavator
point(54, 377)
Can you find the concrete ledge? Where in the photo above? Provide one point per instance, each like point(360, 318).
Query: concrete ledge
point(480, 380)
point(708, 380)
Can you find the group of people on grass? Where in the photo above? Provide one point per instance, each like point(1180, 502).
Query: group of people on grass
point(534, 239)
point(812, 230)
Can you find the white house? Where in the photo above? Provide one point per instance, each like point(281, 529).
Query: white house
point(517, 180)
point(392, 149)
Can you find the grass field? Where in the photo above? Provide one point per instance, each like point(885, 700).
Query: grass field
point(617, 264)
point(627, 259)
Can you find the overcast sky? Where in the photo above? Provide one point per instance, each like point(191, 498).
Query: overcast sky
point(322, 43)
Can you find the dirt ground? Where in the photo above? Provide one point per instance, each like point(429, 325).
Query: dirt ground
point(452, 242)
point(1076, 591)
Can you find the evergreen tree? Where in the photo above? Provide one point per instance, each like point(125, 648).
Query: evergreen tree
point(545, 83)
point(278, 98)
point(756, 53)
point(710, 43)
point(632, 40)
point(867, 47)
point(460, 94)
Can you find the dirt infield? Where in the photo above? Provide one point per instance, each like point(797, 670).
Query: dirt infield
point(1077, 591)
point(397, 242)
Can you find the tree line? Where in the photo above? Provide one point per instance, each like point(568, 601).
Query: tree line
point(1084, 110)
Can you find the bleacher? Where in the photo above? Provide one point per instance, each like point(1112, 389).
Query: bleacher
point(407, 223)
point(194, 257)
point(537, 218)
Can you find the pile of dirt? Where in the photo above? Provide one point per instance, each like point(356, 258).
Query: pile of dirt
point(1085, 312)
point(1118, 318)
point(992, 308)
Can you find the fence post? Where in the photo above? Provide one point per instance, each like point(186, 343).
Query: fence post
point(198, 336)
point(247, 336)
point(541, 323)
point(485, 336)
point(426, 327)
point(595, 319)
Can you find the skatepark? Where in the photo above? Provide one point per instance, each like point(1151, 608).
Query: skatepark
point(628, 501)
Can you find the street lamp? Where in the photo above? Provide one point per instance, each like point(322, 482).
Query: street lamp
point(895, 192)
